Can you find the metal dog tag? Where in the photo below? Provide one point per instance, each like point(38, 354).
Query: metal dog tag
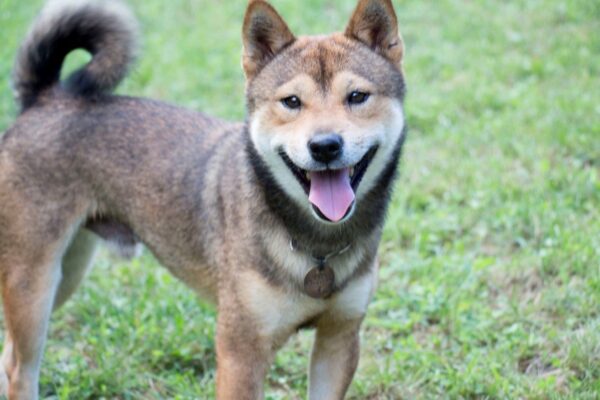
point(319, 282)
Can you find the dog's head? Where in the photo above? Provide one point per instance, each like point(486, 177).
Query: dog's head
point(325, 112)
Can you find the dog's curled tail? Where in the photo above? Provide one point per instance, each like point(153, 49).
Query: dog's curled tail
point(106, 29)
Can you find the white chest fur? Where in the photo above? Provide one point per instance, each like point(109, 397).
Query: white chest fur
point(279, 312)
point(298, 262)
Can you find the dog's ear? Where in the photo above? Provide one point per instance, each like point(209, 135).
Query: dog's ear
point(374, 23)
point(265, 34)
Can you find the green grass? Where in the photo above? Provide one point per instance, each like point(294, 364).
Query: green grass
point(490, 283)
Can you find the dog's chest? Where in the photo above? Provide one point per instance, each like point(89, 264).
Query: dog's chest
point(297, 260)
point(279, 312)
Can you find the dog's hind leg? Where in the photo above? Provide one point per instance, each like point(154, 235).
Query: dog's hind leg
point(28, 291)
point(33, 245)
point(75, 264)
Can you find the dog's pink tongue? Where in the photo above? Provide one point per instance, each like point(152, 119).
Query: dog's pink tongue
point(331, 193)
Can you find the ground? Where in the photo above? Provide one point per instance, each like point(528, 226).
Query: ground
point(490, 281)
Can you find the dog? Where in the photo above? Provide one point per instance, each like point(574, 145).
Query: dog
point(276, 220)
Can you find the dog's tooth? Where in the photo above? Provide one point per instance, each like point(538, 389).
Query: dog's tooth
point(351, 172)
point(308, 176)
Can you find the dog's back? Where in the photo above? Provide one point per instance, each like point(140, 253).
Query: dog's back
point(84, 157)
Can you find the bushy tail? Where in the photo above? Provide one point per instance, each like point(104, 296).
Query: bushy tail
point(105, 28)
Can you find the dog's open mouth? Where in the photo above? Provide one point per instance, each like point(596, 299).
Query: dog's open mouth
point(331, 192)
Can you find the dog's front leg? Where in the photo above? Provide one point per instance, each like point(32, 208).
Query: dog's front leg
point(334, 359)
point(243, 357)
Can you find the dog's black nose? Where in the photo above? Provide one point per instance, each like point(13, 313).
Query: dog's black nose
point(326, 148)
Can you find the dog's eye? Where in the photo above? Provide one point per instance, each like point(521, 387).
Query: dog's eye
point(292, 102)
point(357, 97)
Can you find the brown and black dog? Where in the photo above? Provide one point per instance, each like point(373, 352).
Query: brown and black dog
point(276, 220)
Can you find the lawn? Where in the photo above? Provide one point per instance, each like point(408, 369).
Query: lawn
point(490, 281)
